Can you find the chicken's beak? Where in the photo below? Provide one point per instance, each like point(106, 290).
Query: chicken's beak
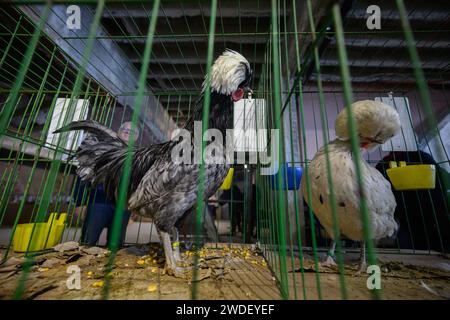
point(248, 90)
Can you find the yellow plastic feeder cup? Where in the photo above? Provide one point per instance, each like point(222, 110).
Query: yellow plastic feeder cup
point(411, 177)
point(45, 235)
point(226, 185)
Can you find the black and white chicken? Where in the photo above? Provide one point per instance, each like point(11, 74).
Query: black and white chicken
point(160, 188)
point(376, 123)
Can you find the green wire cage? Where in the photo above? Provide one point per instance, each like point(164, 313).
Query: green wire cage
point(143, 63)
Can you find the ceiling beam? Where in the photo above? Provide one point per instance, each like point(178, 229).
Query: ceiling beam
point(382, 76)
point(393, 41)
point(177, 10)
point(185, 60)
point(247, 39)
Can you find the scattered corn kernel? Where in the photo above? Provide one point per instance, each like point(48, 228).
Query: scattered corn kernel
point(43, 269)
point(140, 262)
point(98, 284)
point(152, 287)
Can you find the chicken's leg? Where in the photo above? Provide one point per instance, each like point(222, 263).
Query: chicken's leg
point(329, 261)
point(176, 246)
point(362, 257)
point(171, 263)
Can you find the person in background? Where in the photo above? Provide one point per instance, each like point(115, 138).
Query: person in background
point(99, 210)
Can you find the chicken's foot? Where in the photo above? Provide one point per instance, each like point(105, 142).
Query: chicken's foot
point(172, 266)
point(329, 261)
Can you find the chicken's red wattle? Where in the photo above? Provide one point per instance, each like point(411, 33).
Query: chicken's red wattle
point(364, 145)
point(238, 94)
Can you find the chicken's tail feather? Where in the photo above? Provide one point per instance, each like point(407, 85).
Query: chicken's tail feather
point(100, 156)
point(90, 126)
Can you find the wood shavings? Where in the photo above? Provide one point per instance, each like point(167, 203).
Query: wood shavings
point(204, 274)
point(66, 246)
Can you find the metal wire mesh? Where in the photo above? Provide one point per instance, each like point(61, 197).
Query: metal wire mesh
point(40, 65)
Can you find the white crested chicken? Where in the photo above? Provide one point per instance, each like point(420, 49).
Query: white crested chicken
point(376, 123)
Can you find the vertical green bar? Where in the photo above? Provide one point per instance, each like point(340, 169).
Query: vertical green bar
point(278, 114)
point(55, 164)
point(418, 73)
point(126, 171)
point(300, 111)
point(205, 123)
point(348, 97)
point(325, 134)
point(28, 129)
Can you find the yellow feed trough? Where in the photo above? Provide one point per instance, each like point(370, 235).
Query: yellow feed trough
point(226, 185)
point(411, 177)
point(45, 234)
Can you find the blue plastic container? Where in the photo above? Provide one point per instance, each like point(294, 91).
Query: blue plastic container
point(287, 172)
